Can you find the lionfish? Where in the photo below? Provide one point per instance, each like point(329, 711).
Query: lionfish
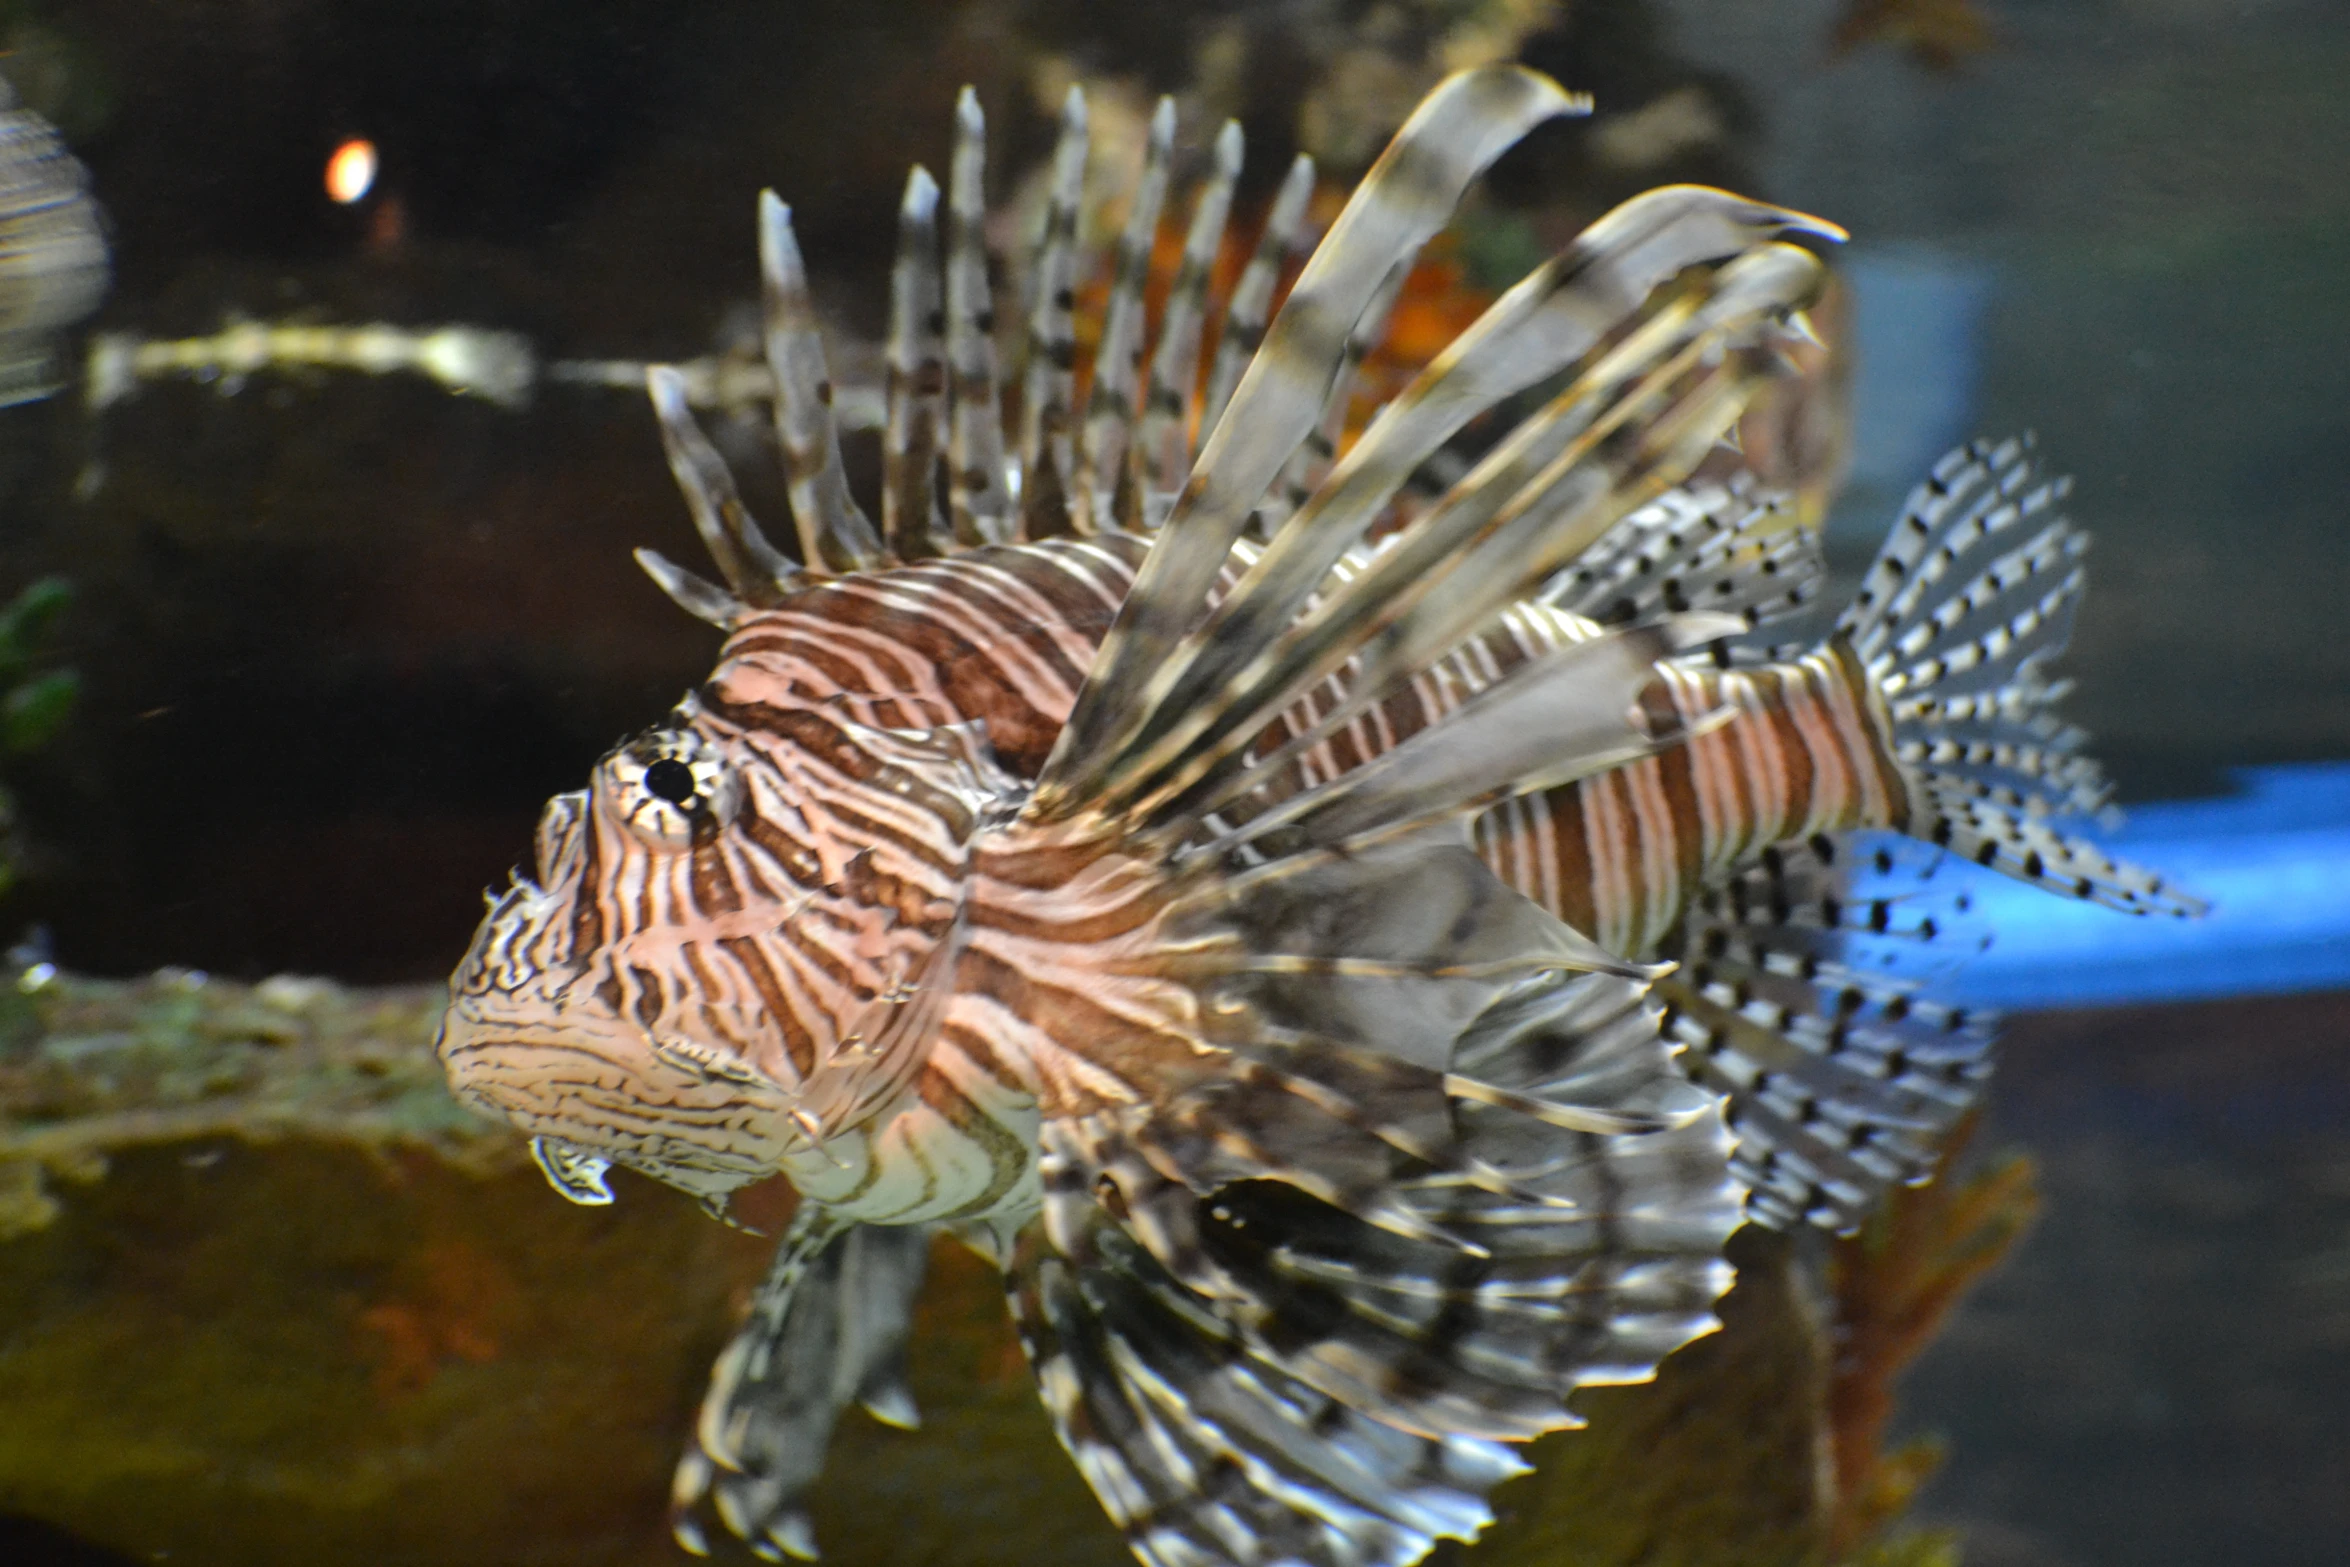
point(1352, 978)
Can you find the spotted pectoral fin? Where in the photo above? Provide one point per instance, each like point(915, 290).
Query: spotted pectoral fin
point(1546, 1214)
point(1202, 1452)
point(828, 1328)
point(1803, 996)
point(1260, 1373)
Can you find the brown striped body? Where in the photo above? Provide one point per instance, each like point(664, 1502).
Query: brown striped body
point(1617, 856)
point(1130, 905)
point(787, 944)
point(1247, 945)
point(1805, 754)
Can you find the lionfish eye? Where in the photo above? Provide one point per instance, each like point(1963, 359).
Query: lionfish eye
point(672, 780)
point(667, 782)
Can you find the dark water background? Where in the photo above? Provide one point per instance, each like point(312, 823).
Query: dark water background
point(340, 636)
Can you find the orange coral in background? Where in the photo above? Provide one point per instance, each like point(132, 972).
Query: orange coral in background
point(1895, 1284)
point(1438, 300)
point(460, 1302)
point(1940, 35)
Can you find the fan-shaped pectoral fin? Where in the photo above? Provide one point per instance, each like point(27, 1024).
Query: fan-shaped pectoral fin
point(827, 1328)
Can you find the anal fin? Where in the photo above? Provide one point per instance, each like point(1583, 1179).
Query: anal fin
point(1841, 1073)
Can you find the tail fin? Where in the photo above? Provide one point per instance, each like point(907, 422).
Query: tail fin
point(1955, 622)
point(1804, 1002)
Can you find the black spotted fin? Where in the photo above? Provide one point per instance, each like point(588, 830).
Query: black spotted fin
point(1842, 1075)
point(1972, 595)
point(1809, 1003)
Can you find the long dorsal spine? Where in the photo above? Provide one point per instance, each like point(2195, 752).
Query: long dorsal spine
point(1048, 446)
point(834, 535)
point(980, 504)
point(1163, 445)
point(1117, 362)
point(917, 379)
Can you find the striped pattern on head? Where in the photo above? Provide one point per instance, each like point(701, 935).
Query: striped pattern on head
point(756, 912)
point(766, 880)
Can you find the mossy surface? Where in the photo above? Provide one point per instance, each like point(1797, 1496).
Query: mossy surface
point(292, 1307)
point(1718, 1461)
point(298, 1353)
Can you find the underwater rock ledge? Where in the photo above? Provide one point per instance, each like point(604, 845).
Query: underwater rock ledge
point(270, 1295)
point(91, 1067)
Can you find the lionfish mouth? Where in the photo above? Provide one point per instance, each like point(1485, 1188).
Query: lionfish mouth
point(591, 1092)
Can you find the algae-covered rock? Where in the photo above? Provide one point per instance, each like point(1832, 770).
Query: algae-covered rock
point(90, 1067)
point(311, 1312)
point(1718, 1461)
point(299, 1354)
point(295, 1353)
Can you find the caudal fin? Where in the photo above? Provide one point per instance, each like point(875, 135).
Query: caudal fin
point(1808, 1005)
point(1956, 621)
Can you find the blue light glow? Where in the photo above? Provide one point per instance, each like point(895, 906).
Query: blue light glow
point(2273, 860)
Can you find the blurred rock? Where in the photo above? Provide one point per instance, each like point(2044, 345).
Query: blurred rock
point(268, 1295)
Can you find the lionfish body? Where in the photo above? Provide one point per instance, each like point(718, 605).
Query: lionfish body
point(1261, 942)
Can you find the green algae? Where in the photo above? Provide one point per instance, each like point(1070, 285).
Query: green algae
point(91, 1067)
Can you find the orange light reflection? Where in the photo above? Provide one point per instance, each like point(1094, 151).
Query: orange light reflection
point(351, 171)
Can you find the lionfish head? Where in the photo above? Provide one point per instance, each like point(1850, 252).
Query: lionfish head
point(734, 950)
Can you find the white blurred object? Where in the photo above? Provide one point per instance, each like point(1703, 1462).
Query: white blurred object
point(473, 361)
point(54, 265)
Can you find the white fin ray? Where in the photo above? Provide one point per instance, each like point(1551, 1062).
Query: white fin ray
point(834, 535)
point(1408, 195)
point(1556, 316)
point(979, 503)
point(1048, 444)
point(1535, 502)
point(755, 572)
point(1252, 296)
point(706, 601)
point(1163, 442)
point(1106, 498)
point(910, 441)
